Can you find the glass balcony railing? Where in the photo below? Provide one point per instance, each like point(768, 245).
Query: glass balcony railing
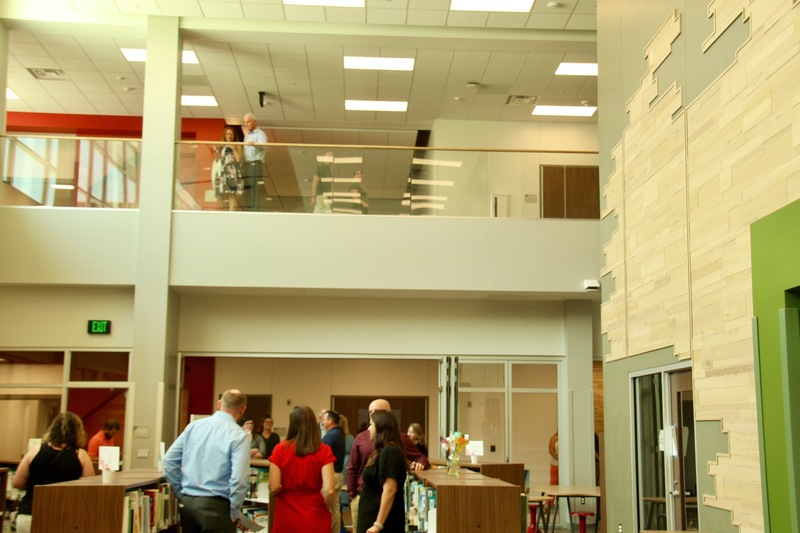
point(375, 180)
point(62, 171)
point(70, 171)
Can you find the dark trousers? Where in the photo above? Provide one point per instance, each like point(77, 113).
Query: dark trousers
point(252, 173)
point(202, 514)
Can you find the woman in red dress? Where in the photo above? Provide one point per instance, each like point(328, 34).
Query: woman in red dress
point(301, 477)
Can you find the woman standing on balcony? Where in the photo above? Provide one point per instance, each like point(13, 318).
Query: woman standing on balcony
point(226, 171)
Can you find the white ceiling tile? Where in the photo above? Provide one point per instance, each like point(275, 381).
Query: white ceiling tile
point(426, 17)
point(37, 62)
point(18, 106)
point(70, 65)
point(136, 110)
point(146, 7)
point(96, 6)
point(582, 22)
point(102, 52)
point(305, 13)
point(586, 7)
point(429, 4)
point(222, 70)
point(263, 11)
point(387, 4)
point(386, 16)
point(93, 87)
point(107, 108)
point(507, 20)
point(326, 74)
point(467, 19)
point(27, 49)
point(246, 61)
point(294, 61)
point(20, 36)
point(293, 73)
point(58, 39)
point(180, 8)
point(223, 10)
point(548, 21)
point(314, 51)
point(346, 15)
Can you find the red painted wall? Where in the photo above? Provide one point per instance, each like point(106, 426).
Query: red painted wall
point(204, 129)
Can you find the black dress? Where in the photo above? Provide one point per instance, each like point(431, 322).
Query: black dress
point(391, 463)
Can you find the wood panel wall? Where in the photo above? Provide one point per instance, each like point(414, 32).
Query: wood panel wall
point(689, 179)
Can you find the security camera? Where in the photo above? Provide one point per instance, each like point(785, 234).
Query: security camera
point(591, 285)
point(262, 98)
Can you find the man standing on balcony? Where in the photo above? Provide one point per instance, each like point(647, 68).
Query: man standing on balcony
point(253, 164)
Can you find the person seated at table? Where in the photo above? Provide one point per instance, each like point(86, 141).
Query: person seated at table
point(418, 438)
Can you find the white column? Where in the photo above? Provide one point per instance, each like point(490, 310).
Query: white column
point(155, 305)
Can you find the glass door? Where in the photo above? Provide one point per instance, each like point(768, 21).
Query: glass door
point(666, 473)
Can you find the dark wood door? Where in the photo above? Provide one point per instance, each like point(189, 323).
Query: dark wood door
point(407, 409)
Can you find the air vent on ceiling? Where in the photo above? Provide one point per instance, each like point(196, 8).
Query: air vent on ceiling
point(48, 74)
point(520, 100)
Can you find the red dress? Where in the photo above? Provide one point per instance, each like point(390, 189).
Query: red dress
point(299, 506)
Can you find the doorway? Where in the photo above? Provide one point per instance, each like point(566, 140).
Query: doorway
point(666, 465)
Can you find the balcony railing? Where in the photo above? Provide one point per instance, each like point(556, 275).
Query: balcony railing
point(375, 180)
point(71, 171)
point(63, 171)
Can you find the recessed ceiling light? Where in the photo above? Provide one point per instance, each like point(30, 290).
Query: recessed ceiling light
point(577, 69)
point(325, 3)
point(379, 63)
point(503, 6)
point(374, 105)
point(564, 110)
point(139, 55)
point(11, 95)
point(198, 101)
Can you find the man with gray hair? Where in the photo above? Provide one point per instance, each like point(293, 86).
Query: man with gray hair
point(208, 467)
point(253, 163)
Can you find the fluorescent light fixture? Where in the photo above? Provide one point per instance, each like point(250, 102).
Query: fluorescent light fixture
point(426, 206)
point(379, 63)
point(375, 105)
point(564, 110)
point(348, 160)
point(139, 55)
point(436, 162)
point(189, 57)
point(198, 101)
point(62, 186)
point(441, 183)
point(325, 3)
point(11, 95)
point(504, 6)
point(417, 197)
point(577, 69)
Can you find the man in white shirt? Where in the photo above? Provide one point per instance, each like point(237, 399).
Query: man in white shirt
point(253, 163)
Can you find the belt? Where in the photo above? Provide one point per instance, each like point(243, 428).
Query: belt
point(253, 162)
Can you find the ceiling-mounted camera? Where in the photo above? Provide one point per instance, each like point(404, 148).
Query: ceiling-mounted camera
point(262, 98)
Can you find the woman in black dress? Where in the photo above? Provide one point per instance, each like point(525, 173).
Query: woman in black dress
point(381, 507)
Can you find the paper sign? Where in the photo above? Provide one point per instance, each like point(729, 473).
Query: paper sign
point(108, 458)
point(475, 447)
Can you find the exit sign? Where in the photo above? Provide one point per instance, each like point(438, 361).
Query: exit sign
point(99, 327)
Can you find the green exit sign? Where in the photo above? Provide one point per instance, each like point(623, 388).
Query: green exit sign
point(99, 327)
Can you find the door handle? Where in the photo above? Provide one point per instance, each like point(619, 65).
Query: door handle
point(675, 492)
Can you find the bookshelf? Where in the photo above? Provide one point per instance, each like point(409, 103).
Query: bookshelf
point(89, 505)
point(470, 503)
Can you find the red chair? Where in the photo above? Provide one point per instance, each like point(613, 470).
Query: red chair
point(533, 507)
point(582, 517)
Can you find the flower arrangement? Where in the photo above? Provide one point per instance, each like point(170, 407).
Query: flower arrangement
point(454, 445)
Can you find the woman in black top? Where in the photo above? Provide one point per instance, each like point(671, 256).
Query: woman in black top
point(381, 507)
point(59, 458)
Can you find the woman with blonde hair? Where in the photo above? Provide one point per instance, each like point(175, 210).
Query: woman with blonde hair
point(60, 457)
point(301, 477)
point(418, 438)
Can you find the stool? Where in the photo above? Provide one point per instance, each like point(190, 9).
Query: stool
point(533, 508)
point(582, 517)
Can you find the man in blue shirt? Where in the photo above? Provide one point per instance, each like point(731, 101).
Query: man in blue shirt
point(334, 437)
point(208, 467)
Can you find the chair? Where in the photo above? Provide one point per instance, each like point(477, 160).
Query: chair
point(582, 517)
point(533, 507)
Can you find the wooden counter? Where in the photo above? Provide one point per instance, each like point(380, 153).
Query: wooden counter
point(473, 503)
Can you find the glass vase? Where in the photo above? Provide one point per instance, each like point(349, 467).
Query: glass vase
point(454, 466)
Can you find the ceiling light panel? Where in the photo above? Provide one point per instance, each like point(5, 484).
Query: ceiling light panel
point(564, 111)
point(577, 69)
point(497, 6)
point(198, 101)
point(139, 55)
point(325, 3)
point(11, 95)
point(375, 105)
point(379, 63)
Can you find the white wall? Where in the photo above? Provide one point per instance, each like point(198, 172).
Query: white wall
point(516, 174)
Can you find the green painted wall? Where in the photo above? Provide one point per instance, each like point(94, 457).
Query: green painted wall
point(775, 246)
point(709, 441)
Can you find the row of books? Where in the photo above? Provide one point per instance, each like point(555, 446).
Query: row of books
point(257, 514)
point(420, 507)
point(149, 510)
